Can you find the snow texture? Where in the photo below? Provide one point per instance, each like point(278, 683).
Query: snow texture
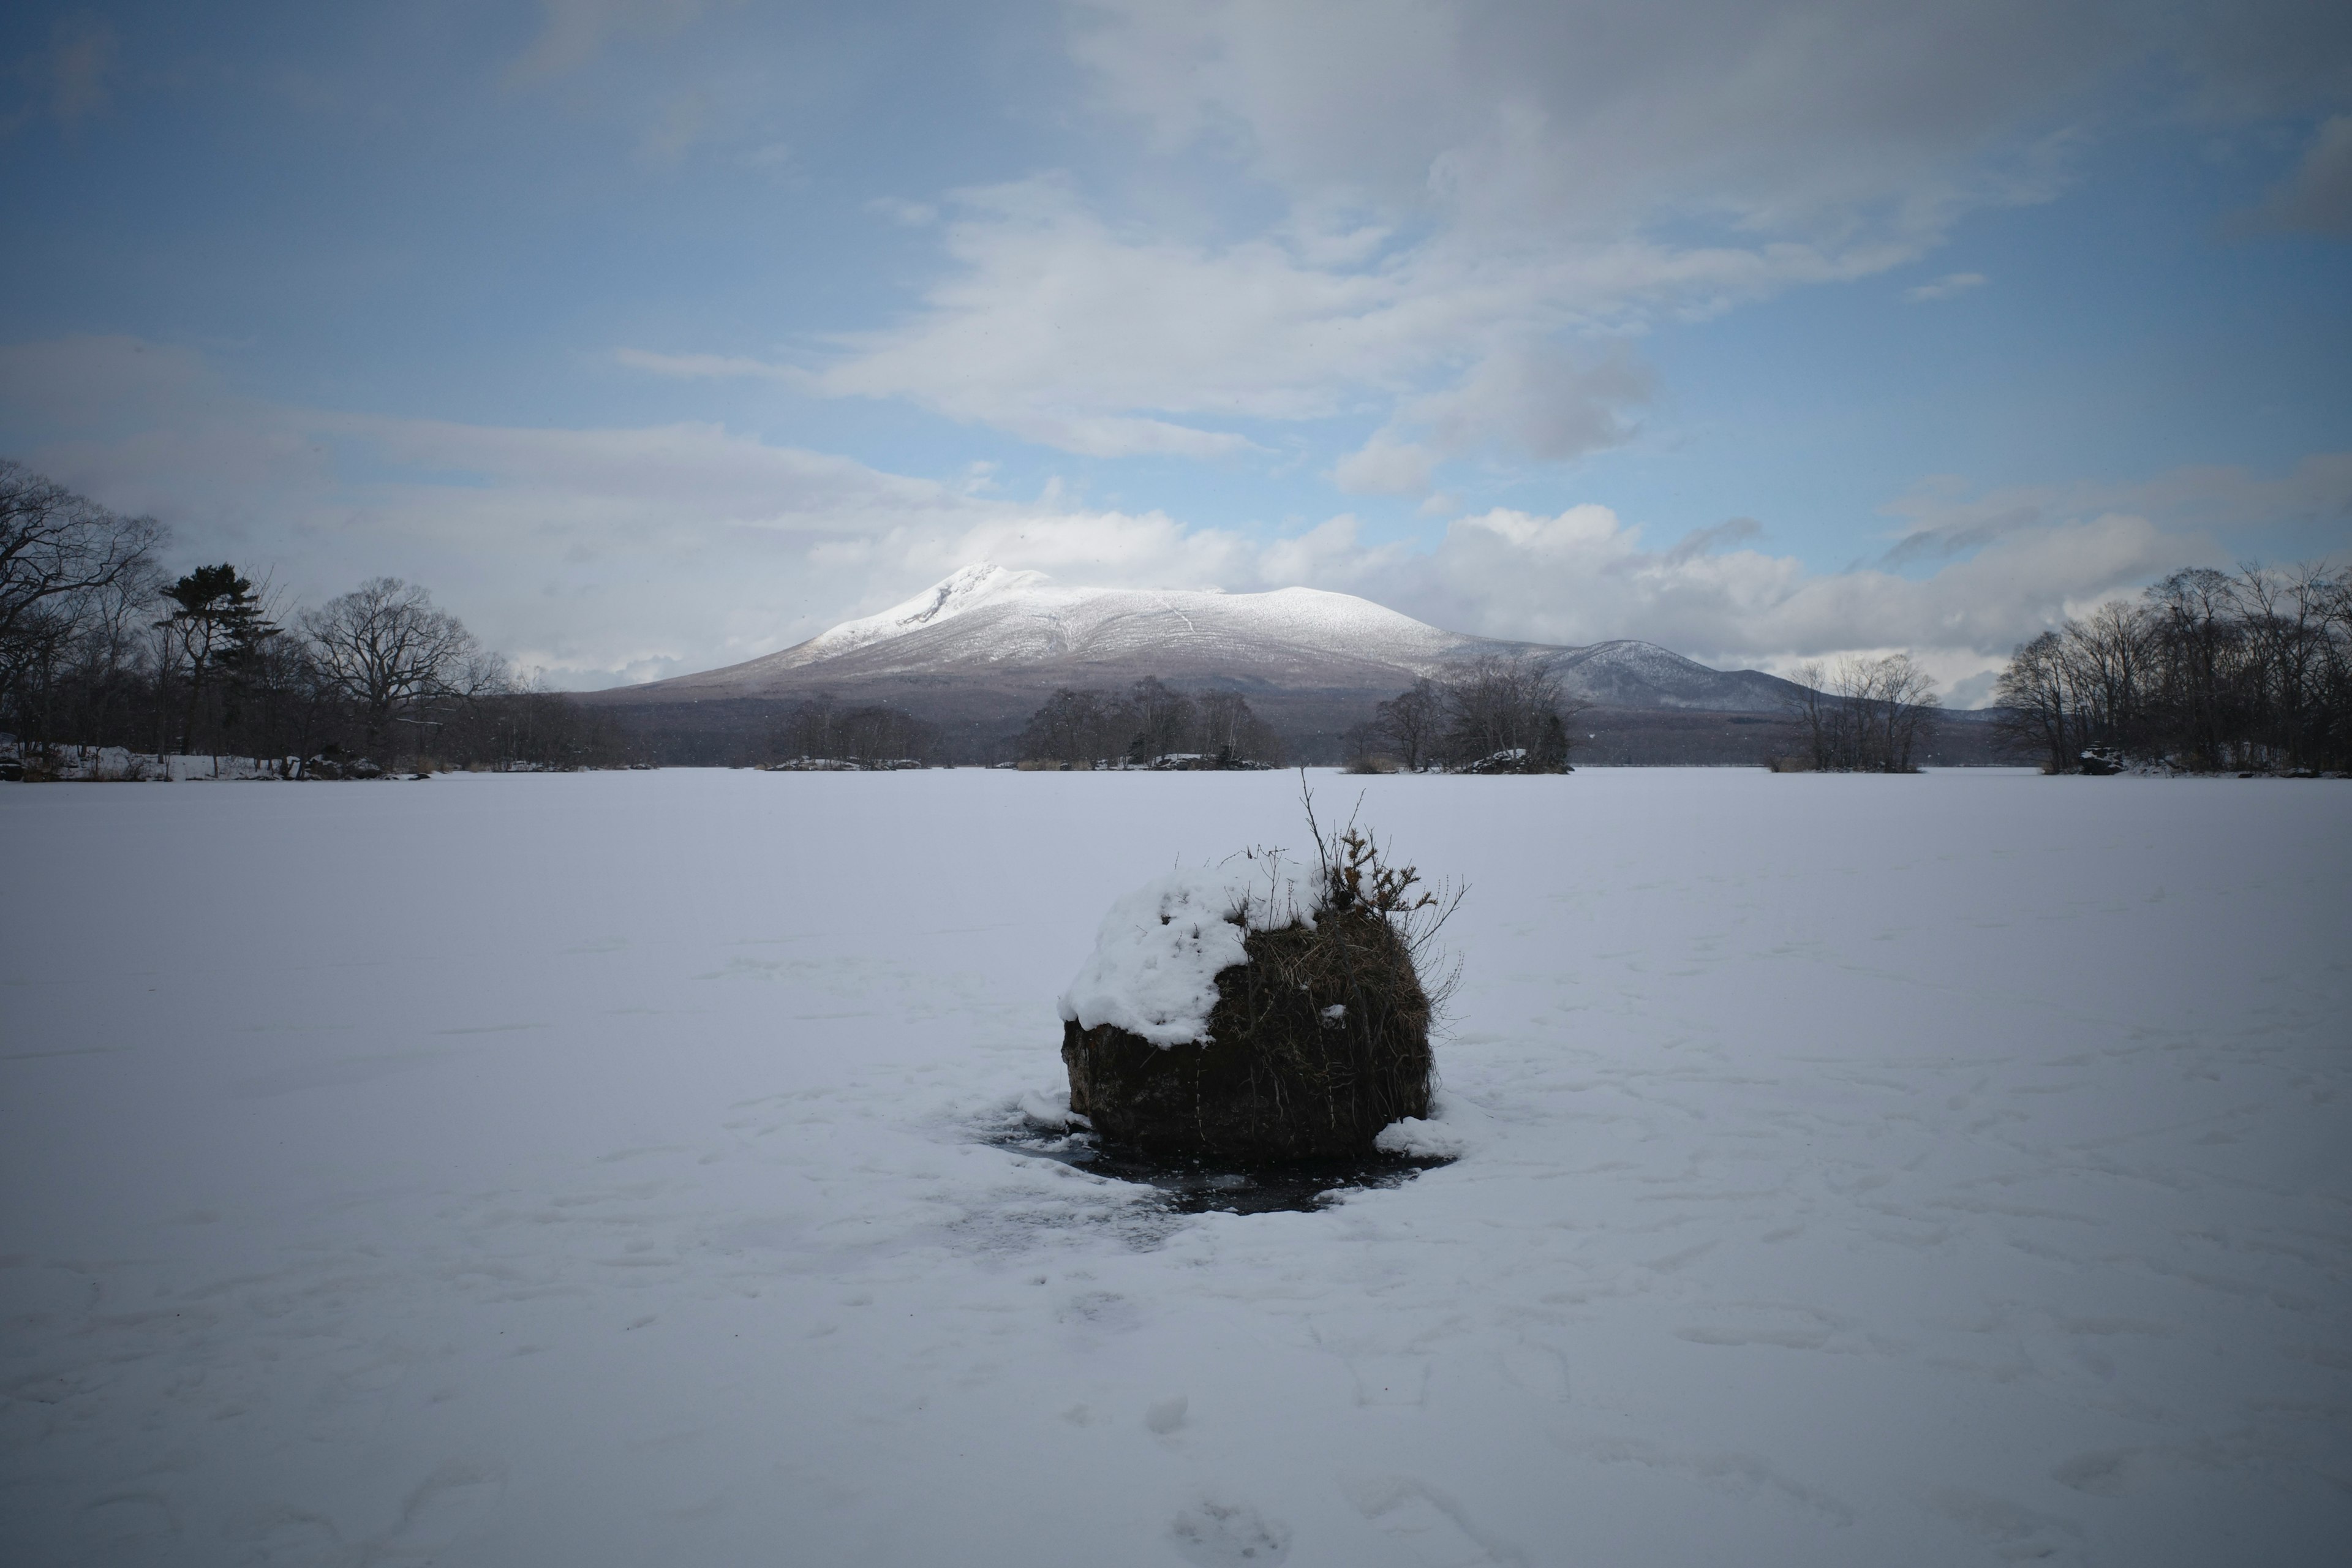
point(588, 1169)
point(1161, 947)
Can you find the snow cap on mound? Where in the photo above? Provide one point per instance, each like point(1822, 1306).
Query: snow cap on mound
point(1161, 949)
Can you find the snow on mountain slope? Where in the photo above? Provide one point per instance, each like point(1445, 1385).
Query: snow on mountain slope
point(986, 618)
point(988, 624)
point(1627, 674)
point(973, 585)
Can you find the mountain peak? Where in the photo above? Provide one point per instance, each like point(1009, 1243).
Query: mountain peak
point(961, 590)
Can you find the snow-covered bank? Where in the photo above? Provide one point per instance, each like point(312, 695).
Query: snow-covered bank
point(118, 764)
point(579, 1169)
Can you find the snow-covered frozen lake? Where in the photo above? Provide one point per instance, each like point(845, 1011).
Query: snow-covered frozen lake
point(585, 1170)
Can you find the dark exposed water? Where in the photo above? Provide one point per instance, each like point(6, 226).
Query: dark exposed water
point(1194, 1186)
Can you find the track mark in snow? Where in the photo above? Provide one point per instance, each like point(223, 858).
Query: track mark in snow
point(338, 1074)
point(2018, 1534)
point(1673, 1262)
point(283, 1533)
point(1537, 1368)
point(1439, 1531)
point(1739, 1475)
point(1785, 1338)
point(2109, 1473)
point(1227, 1535)
point(125, 1517)
point(445, 1505)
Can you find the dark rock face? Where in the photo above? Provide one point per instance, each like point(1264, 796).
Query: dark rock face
point(1315, 1043)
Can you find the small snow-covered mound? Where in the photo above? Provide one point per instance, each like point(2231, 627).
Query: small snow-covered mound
point(1157, 958)
point(1294, 992)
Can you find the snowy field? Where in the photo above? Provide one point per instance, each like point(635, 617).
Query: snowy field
point(587, 1170)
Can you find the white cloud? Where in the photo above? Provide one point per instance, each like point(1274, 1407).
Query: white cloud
point(1945, 288)
point(1940, 518)
point(1465, 189)
point(1053, 317)
point(1584, 575)
point(1521, 401)
point(1590, 116)
point(1385, 466)
point(1432, 211)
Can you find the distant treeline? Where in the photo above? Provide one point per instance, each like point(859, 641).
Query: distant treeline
point(2208, 670)
point(822, 727)
point(100, 646)
point(1148, 720)
point(1861, 716)
point(1502, 713)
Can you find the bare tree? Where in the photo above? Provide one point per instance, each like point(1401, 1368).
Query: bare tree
point(1413, 721)
point(2207, 671)
point(1811, 706)
point(2109, 660)
point(2036, 697)
point(383, 648)
point(1897, 702)
point(820, 727)
point(1150, 719)
point(63, 559)
point(1161, 720)
point(1232, 734)
point(1072, 727)
point(1504, 712)
point(1864, 715)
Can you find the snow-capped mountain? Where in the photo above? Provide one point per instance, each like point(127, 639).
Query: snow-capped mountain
point(986, 618)
point(987, 628)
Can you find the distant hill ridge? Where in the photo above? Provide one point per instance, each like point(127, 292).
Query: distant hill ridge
point(997, 637)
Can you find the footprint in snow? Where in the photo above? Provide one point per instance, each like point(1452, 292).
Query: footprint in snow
point(1222, 1535)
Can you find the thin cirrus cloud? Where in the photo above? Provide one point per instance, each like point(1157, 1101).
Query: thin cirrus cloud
point(710, 366)
point(1949, 286)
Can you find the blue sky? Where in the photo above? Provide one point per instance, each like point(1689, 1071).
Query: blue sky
point(655, 334)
